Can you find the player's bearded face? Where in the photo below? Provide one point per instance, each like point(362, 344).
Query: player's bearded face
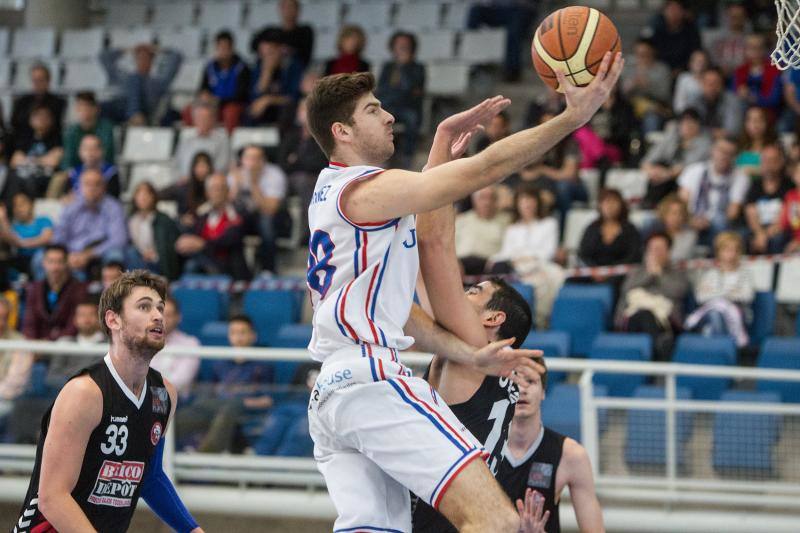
point(142, 329)
point(372, 128)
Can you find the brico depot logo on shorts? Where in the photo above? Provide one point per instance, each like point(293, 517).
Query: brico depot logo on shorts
point(116, 483)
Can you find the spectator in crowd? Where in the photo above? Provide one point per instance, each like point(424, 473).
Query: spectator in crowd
point(153, 235)
point(674, 35)
point(180, 371)
point(258, 188)
point(479, 231)
point(15, 365)
point(276, 80)
point(350, 44)
point(50, 303)
point(142, 90)
point(616, 125)
point(26, 232)
point(689, 85)
point(516, 17)
point(684, 143)
point(611, 239)
point(652, 295)
point(673, 220)
point(89, 123)
point(764, 203)
point(37, 151)
point(728, 48)
point(299, 38)
point(714, 190)
point(91, 157)
point(301, 158)
point(757, 81)
point(791, 92)
point(724, 292)
point(647, 83)
point(111, 272)
point(92, 226)
point(285, 432)
point(190, 192)
point(39, 97)
point(87, 333)
point(205, 137)
point(757, 133)
point(215, 244)
point(401, 88)
point(239, 386)
point(227, 77)
point(499, 128)
point(790, 215)
point(720, 110)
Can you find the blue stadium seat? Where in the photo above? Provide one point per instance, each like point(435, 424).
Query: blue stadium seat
point(645, 443)
point(745, 441)
point(561, 410)
point(763, 325)
point(582, 318)
point(777, 352)
point(622, 347)
point(290, 336)
point(271, 309)
point(597, 291)
point(553, 344)
point(214, 334)
point(701, 350)
point(527, 292)
point(199, 306)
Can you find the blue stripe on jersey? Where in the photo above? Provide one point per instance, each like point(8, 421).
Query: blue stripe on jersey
point(424, 413)
point(366, 528)
point(355, 254)
point(447, 474)
point(372, 368)
point(378, 286)
point(336, 314)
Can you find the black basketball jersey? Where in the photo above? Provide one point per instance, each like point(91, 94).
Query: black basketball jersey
point(487, 415)
point(117, 455)
point(536, 470)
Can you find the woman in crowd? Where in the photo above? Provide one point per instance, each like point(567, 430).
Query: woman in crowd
point(757, 133)
point(190, 193)
point(611, 239)
point(673, 219)
point(688, 87)
point(153, 235)
point(351, 43)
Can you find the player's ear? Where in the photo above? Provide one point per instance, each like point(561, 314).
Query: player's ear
point(340, 131)
point(112, 320)
point(493, 318)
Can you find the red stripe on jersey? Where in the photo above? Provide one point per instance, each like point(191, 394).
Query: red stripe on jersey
point(342, 312)
point(366, 305)
point(433, 411)
point(380, 369)
point(364, 252)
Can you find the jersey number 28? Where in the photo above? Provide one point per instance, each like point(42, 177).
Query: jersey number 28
point(321, 252)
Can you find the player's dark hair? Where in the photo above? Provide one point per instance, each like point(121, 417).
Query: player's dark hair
point(242, 318)
point(113, 297)
point(518, 313)
point(334, 100)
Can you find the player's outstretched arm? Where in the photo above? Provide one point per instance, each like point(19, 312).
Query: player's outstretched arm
point(76, 413)
point(158, 490)
point(578, 469)
point(396, 193)
point(494, 359)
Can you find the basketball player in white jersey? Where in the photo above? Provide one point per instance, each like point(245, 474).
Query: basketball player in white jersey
point(378, 432)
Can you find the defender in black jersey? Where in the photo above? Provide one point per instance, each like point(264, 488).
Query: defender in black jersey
point(102, 438)
point(540, 459)
point(486, 312)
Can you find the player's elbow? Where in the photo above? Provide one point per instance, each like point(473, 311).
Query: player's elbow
point(48, 502)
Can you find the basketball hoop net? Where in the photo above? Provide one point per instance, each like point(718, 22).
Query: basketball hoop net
point(787, 50)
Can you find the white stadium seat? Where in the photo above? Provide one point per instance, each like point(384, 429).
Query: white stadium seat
point(436, 45)
point(82, 44)
point(261, 136)
point(159, 174)
point(84, 76)
point(321, 14)
point(377, 51)
point(763, 273)
point(446, 79)
point(34, 42)
point(173, 14)
point(418, 15)
point(126, 14)
point(483, 46)
point(788, 288)
point(188, 78)
point(369, 16)
point(630, 182)
point(216, 16)
point(576, 223)
point(591, 180)
point(263, 14)
point(188, 41)
point(129, 37)
point(48, 207)
point(5, 78)
point(4, 39)
point(324, 44)
point(642, 218)
point(455, 15)
point(144, 144)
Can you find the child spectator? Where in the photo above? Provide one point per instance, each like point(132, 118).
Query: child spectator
point(27, 233)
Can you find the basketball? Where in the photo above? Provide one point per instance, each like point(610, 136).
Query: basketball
point(573, 40)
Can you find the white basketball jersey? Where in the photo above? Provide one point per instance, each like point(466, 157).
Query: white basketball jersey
point(361, 276)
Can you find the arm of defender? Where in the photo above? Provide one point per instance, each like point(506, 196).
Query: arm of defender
point(396, 193)
point(158, 490)
point(581, 488)
point(76, 413)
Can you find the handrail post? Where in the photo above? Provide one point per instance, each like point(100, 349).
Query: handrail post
point(671, 433)
point(589, 436)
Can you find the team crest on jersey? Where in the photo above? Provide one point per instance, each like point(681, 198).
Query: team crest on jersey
point(155, 433)
point(160, 400)
point(116, 483)
point(540, 475)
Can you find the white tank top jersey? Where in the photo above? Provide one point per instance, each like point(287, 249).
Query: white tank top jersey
point(361, 277)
